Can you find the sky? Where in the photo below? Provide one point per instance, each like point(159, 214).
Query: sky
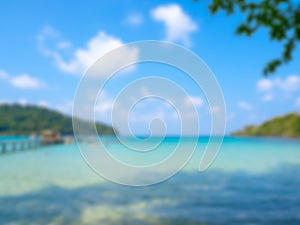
point(45, 48)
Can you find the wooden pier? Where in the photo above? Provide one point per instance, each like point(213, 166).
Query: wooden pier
point(10, 146)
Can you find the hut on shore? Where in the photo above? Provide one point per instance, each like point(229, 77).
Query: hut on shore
point(50, 137)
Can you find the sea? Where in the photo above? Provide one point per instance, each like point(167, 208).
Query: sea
point(252, 181)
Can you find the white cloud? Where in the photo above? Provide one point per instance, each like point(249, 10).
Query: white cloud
point(104, 107)
point(265, 85)
point(279, 86)
point(297, 102)
point(144, 91)
point(175, 115)
point(245, 106)
point(63, 45)
point(268, 97)
point(4, 101)
point(47, 37)
point(290, 84)
point(65, 107)
point(179, 25)
point(196, 101)
point(3, 75)
point(215, 109)
point(43, 103)
point(83, 58)
point(23, 101)
point(134, 19)
point(47, 32)
point(25, 81)
point(124, 114)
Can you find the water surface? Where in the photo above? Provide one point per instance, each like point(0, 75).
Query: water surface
point(252, 181)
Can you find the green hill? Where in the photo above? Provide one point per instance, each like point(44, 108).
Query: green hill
point(22, 120)
point(282, 126)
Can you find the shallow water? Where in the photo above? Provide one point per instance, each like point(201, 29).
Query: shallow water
point(252, 181)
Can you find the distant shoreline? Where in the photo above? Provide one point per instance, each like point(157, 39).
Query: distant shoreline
point(21, 120)
point(176, 137)
point(286, 126)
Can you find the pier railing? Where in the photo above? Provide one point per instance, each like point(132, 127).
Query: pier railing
point(9, 146)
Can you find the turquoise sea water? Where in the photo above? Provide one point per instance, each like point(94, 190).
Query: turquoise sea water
point(252, 181)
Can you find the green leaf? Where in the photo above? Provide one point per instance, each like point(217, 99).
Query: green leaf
point(271, 67)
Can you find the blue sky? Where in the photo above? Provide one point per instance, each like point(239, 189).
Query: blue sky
point(46, 46)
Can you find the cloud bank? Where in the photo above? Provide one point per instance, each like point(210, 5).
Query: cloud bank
point(179, 26)
point(22, 81)
point(82, 57)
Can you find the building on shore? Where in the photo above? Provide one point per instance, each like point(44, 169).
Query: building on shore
point(50, 137)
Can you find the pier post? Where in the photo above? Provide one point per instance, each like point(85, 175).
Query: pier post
point(3, 147)
point(13, 146)
point(22, 145)
point(36, 144)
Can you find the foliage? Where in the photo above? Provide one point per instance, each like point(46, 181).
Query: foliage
point(281, 18)
point(284, 126)
point(23, 120)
